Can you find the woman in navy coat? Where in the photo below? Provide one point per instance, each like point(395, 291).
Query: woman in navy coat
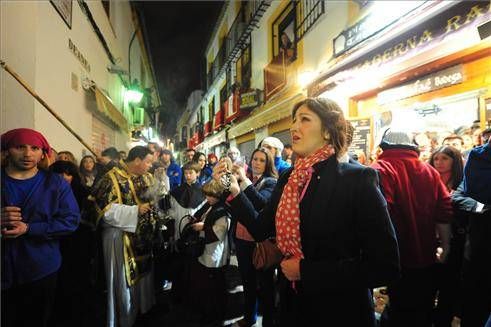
point(330, 222)
point(258, 284)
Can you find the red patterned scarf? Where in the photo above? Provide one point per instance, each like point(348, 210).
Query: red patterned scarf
point(288, 212)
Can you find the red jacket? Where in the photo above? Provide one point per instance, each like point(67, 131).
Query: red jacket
point(417, 200)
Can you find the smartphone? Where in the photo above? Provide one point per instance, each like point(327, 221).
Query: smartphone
point(226, 180)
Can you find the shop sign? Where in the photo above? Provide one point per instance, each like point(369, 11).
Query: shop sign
point(78, 55)
point(250, 99)
point(459, 17)
point(369, 26)
point(444, 78)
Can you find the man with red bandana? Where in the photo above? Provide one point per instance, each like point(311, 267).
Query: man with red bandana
point(37, 208)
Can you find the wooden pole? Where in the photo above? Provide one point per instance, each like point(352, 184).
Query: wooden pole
point(37, 97)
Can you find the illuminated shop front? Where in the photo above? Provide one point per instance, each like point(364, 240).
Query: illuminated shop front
point(432, 79)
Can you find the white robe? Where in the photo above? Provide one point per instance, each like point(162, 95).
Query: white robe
point(178, 212)
point(123, 302)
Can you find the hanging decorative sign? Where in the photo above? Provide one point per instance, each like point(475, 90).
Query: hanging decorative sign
point(250, 99)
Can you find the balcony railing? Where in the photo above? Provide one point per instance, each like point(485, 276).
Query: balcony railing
point(238, 37)
point(309, 12)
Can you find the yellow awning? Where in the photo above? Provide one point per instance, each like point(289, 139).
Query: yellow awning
point(109, 110)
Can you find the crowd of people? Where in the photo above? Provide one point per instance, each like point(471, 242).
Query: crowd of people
point(133, 224)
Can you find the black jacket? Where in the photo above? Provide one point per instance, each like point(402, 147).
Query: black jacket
point(348, 241)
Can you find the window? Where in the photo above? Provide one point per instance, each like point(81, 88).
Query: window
point(211, 110)
point(231, 75)
point(223, 95)
point(202, 114)
point(284, 36)
point(245, 68)
point(308, 13)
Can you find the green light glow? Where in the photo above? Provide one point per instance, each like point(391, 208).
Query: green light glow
point(133, 96)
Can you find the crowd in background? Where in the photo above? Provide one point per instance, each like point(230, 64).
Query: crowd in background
point(424, 234)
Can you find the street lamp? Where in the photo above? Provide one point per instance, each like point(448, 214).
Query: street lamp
point(133, 94)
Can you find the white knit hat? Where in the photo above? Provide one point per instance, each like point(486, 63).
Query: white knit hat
point(396, 139)
point(275, 143)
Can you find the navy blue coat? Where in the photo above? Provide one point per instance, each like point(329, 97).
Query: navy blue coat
point(347, 239)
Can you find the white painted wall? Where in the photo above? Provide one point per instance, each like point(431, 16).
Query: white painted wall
point(17, 108)
point(35, 45)
point(318, 45)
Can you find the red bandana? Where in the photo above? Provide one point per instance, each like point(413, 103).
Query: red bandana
point(288, 212)
point(21, 136)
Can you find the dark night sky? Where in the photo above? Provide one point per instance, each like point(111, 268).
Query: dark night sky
point(178, 33)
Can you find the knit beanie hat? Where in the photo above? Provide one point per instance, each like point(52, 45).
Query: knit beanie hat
point(275, 143)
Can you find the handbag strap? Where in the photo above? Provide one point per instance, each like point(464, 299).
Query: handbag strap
point(180, 223)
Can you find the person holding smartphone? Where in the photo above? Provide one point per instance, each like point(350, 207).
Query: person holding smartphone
point(331, 224)
point(258, 284)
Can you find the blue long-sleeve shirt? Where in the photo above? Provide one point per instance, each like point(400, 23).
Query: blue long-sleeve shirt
point(175, 174)
point(281, 165)
point(51, 211)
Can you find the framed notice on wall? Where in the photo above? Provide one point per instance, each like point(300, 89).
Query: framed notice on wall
point(361, 137)
point(64, 8)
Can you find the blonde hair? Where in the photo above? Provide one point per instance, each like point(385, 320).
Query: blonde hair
point(229, 163)
point(213, 188)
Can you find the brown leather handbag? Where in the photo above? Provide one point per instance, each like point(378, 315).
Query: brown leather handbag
point(266, 255)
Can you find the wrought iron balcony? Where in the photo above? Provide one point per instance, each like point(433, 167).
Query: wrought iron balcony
point(309, 11)
point(238, 37)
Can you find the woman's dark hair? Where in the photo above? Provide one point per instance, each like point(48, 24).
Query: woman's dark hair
point(112, 153)
point(288, 44)
point(270, 170)
point(197, 155)
point(85, 172)
point(332, 119)
point(68, 168)
point(457, 171)
point(67, 153)
point(71, 169)
point(138, 151)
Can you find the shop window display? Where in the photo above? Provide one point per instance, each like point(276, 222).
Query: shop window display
point(431, 123)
